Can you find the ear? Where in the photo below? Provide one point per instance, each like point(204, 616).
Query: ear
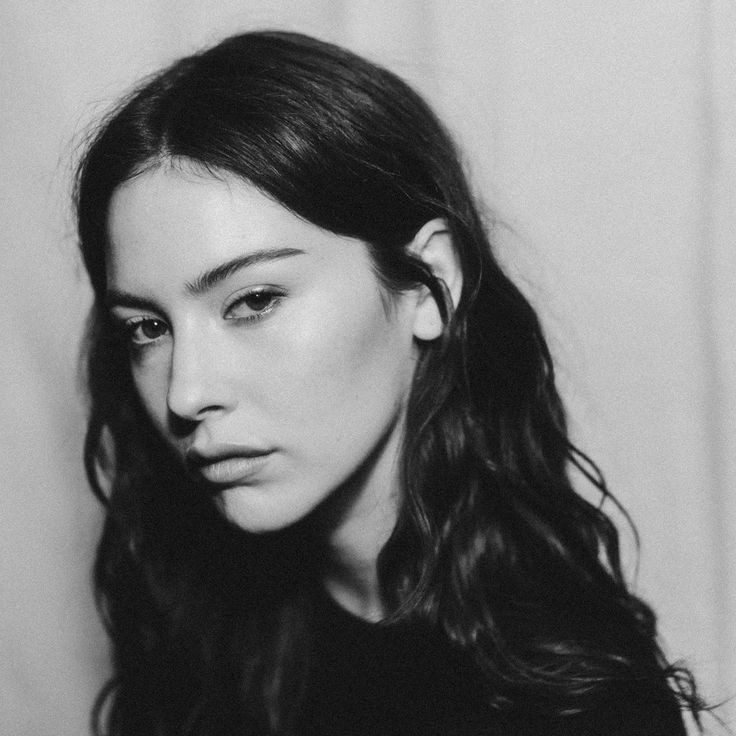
point(433, 245)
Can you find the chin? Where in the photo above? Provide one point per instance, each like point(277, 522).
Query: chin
point(249, 510)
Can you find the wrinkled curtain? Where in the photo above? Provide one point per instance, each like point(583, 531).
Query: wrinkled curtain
point(601, 134)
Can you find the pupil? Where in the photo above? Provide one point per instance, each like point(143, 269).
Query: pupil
point(258, 300)
point(152, 328)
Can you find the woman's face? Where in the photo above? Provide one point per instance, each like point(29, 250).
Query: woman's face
point(260, 345)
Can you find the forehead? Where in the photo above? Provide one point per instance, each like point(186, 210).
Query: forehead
point(170, 223)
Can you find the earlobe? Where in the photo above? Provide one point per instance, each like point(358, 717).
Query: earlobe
point(433, 244)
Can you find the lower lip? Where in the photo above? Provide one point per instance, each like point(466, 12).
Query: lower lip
point(233, 470)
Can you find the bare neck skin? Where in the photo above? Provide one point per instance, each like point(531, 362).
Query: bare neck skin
point(359, 520)
point(351, 574)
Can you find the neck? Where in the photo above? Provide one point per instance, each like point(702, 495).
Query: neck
point(358, 523)
point(351, 572)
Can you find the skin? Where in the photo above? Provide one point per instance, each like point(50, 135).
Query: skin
point(294, 357)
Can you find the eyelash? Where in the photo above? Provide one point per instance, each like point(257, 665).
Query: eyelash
point(129, 327)
point(275, 296)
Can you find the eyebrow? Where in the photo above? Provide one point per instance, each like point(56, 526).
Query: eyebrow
point(210, 278)
point(205, 281)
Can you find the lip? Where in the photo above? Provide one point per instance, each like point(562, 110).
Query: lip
point(227, 466)
point(232, 470)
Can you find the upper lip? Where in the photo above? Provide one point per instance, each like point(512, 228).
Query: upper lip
point(198, 457)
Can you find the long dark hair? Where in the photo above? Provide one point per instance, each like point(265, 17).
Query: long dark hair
point(493, 546)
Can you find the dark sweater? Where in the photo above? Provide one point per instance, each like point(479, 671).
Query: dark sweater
point(373, 680)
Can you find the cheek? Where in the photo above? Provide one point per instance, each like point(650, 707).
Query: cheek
point(151, 381)
point(346, 366)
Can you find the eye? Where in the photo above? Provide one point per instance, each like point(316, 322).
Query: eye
point(253, 304)
point(145, 330)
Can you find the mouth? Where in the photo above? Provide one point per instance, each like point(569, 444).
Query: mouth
point(229, 469)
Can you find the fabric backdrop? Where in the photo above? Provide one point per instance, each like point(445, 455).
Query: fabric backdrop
point(601, 133)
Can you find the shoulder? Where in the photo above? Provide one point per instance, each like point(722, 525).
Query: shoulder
point(623, 711)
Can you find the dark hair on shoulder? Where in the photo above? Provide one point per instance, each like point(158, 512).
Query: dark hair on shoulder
point(493, 545)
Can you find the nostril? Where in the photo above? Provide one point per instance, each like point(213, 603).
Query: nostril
point(181, 426)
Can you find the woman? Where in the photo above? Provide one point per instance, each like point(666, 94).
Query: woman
point(326, 431)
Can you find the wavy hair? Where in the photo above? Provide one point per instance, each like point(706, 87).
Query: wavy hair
point(493, 546)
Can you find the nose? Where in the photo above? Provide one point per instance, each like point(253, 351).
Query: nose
point(197, 384)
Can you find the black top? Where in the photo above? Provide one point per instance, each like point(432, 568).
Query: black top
point(374, 680)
